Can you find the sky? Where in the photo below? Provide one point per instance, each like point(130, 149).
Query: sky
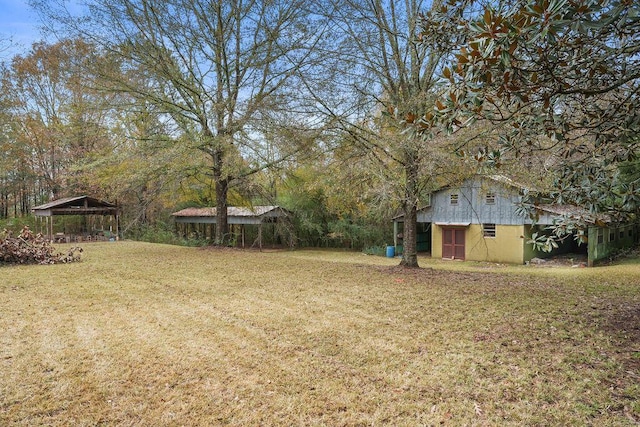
point(20, 23)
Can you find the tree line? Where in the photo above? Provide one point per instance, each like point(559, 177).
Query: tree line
point(347, 112)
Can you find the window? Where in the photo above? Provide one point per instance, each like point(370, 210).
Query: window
point(612, 235)
point(454, 199)
point(621, 234)
point(600, 236)
point(630, 231)
point(490, 199)
point(489, 230)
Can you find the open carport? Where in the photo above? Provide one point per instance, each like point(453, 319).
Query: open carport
point(100, 219)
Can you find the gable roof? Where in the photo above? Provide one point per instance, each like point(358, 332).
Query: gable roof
point(547, 213)
point(505, 180)
point(499, 179)
point(78, 205)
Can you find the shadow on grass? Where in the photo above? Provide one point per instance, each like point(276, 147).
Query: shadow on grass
point(622, 321)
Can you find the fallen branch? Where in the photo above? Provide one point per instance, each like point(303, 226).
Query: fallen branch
point(29, 248)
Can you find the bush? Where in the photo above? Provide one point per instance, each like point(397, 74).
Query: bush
point(161, 234)
point(15, 225)
point(29, 248)
point(375, 250)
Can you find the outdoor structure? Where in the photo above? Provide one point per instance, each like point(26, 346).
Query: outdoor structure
point(201, 221)
point(478, 221)
point(89, 208)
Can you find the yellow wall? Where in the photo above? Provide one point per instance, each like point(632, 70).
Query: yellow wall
point(507, 246)
point(436, 241)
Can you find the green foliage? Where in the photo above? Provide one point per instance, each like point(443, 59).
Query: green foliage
point(543, 242)
point(328, 211)
point(162, 233)
point(308, 203)
point(563, 77)
point(357, 235)
point(15, 225)
point(375, 250)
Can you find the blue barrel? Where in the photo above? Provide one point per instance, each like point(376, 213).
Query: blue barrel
point(391, 251)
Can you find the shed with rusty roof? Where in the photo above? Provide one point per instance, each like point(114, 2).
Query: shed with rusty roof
point(200, 221)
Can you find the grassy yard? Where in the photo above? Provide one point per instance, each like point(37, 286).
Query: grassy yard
point(141, 334)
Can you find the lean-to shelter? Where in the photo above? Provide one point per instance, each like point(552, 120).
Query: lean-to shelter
point(201, 221)
point(106, 226)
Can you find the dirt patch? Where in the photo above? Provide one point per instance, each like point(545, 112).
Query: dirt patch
point(623, 321)
point(565, 260)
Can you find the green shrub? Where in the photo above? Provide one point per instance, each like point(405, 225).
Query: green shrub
point(375, 250)
point(161, 234)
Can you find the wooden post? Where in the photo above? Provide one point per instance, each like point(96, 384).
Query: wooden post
point(395, 234)
point(117, 228)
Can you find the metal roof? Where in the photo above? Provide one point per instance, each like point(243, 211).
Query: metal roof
point(78, 205)
point(255, 211)
point(574, 212)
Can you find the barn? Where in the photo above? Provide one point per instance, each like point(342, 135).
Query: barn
point(479, 220)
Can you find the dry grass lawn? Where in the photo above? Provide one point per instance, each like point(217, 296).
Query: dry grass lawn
point(141, 334)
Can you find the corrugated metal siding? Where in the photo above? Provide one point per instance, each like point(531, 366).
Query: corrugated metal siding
point(472, 206)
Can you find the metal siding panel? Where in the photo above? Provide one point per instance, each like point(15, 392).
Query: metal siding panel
point(444, 211)
point(471, 205)
point(503, 211)
point(425, 215)
point(440, 202)
point(465, 206)
point(243, 220)
point(508, 215)
point(195, 220)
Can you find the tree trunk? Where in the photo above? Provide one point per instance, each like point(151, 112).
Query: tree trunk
point(410, 253)
point(222, 226)
point(221, 181)
point(410, 208)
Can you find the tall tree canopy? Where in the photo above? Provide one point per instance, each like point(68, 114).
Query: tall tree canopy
point(565, 76)
point(223, 73)
point(53, 120)
point(388, 75)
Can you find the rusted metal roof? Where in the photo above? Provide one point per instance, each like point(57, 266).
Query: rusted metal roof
point(574, 212)
point(255, 211)
point(564, 210)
